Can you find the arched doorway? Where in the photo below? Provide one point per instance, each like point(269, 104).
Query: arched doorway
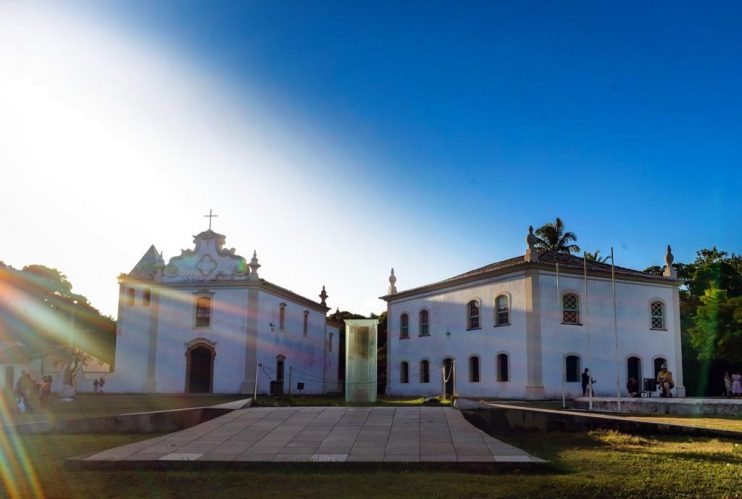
point(449, 377)
point(200, 368)
point(634, 369)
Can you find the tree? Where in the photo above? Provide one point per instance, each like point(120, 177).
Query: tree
point(74, 360)
point(595, 257)
point(716, 333)
point(552, 236)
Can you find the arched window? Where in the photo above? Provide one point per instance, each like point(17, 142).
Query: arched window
point(472, 315)
point(306, 322)
point(474, 369)
point(404, 372)
point(657, 313)
point(404, 326)
point(282, 316)
point(572, 369)
point(131, 296)
point(658, 362)
point(503, 370)
point(203, 311)
point(146, 297)
point(424, 330)
point(570, 309)
point(502, 311)
point(424, 371)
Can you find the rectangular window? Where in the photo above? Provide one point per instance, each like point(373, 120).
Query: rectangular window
point(306, 322)
point(329, 346)
point(146, 297)
point(282, 316)
point(203, 311)
point(570, 309)
point(572, 369)
point(404, 374)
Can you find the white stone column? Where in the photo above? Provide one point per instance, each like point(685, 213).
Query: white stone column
point(678, 377)
point(534, 363)
point(150, 384)
point(251, 341)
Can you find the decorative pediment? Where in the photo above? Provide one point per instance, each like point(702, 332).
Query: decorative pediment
point(208, 261)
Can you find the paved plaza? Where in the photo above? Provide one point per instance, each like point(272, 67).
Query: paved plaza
point(325, 434)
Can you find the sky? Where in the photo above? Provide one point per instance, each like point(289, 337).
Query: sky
point(342, 139)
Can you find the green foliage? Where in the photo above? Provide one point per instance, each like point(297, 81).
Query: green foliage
point(51, 288)
point(552, 236)
point(717, 327)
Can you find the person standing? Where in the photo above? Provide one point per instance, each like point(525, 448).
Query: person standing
point(737, 384)
point(585, 381)
point(727, 384)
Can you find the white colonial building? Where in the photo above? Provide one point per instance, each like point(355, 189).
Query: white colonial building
point(528, 326)
point(206, 323)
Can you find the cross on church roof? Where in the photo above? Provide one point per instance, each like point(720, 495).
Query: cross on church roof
point(210, 216)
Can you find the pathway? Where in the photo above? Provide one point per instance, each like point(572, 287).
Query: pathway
point(325, 434)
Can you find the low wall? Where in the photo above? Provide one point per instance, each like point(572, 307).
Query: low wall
point(500, 418)
point(685, 406)
point(144, 422)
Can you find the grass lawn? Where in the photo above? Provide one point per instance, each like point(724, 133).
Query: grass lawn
point(716, 422)
point(596, 464)
point(86, 405)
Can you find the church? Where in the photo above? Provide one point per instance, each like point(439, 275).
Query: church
point(527, 327)
point(205, 322)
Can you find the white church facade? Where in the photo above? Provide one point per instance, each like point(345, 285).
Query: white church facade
point(205, 322)
point(527, 327)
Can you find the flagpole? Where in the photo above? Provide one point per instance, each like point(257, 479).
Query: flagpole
point(615, 332)
point(589, 346)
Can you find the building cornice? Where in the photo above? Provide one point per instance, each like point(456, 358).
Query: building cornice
point(261, 284)
point(529, 267)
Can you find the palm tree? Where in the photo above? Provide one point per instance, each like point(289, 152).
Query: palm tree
point(553, 237)
point(595, 257)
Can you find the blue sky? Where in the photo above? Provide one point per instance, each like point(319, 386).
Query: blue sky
point(480, 117)
point(443, 129)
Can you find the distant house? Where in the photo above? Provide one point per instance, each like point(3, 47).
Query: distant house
point(527, 327)
point(205, 322)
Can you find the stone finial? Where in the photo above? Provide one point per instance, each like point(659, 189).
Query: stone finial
point(254, 266)
point(669, 269)
point(392, 282)
point(323, 296)
point(531, 252)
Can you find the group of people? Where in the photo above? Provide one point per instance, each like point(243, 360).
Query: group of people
point(32, 394)
point(733, 384)
point(665, 383)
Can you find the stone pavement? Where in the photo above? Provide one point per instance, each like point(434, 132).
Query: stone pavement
point(325, 434)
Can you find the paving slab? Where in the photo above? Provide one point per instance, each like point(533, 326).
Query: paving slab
point(322, 435)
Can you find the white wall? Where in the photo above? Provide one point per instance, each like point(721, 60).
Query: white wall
point(448, 312)
point(635, 336)
point(305, 354)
